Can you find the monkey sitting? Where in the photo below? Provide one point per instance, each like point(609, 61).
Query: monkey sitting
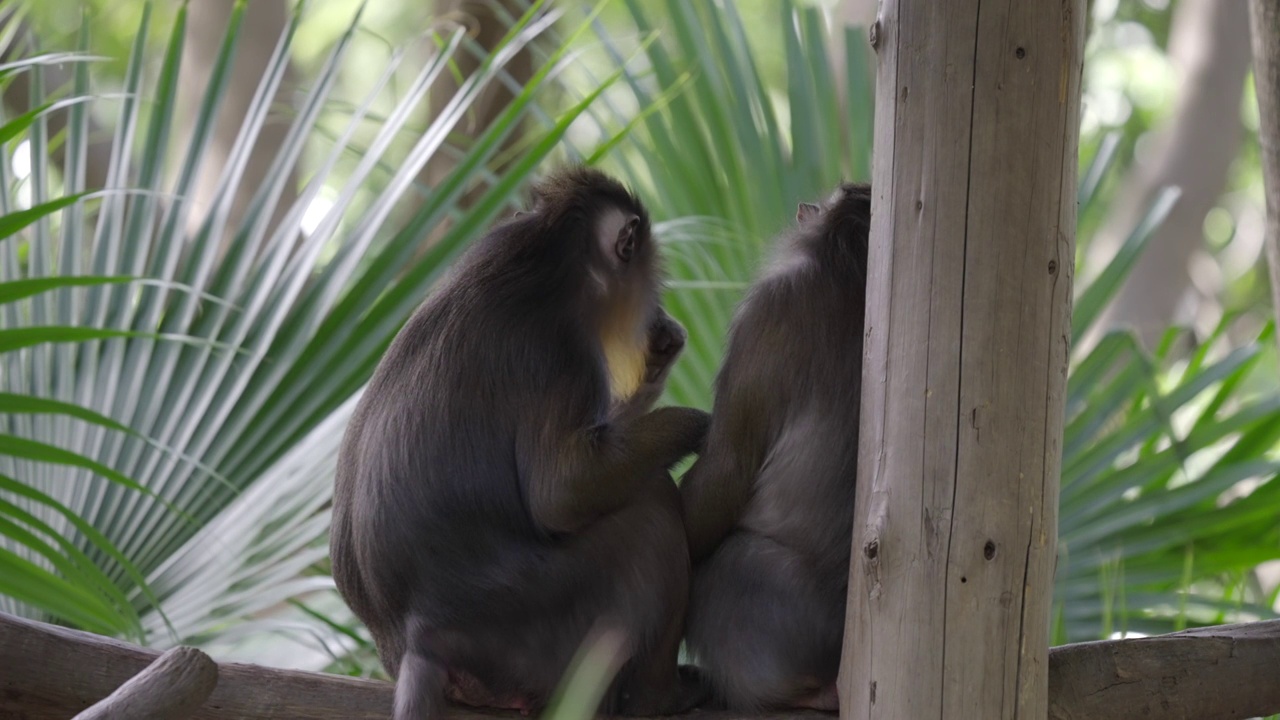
point(769, 503)
point(503, 487)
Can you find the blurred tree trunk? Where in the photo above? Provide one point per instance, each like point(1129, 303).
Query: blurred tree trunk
point(848, 13)
point(857, 12)
point(1194, 150)
point(1264, 18)
point(17, 100)
point(263, 23)
point(486, 23)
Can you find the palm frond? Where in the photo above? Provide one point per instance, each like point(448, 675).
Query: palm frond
point(191, 374)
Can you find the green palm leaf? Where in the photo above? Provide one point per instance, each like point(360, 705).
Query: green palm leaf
point(169, 440)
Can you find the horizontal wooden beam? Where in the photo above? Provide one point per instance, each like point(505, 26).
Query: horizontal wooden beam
point(171, 688)
point(1226, 672)
point(52, 673)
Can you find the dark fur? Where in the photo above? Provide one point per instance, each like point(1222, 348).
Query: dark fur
point(493, 502)
point(769, 504)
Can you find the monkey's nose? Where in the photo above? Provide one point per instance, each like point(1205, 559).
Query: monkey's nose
point(671, 342)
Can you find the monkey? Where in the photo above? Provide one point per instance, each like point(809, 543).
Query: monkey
point(503, 487)
point(769, 502)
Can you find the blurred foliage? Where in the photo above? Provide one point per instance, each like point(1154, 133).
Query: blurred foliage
point(1129, 88)
point(167, 480)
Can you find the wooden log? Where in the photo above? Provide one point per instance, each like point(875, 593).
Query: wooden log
point(171, 688)
point(968, 328)
point(1226, 672)
point(52, 673)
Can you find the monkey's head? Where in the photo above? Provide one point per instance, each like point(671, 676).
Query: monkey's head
point(841, 221)
point(608, 232)
point(849, 200)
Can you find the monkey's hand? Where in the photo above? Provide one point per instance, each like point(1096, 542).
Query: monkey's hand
point(671, 433)
point(667, 339)
point(581, 475)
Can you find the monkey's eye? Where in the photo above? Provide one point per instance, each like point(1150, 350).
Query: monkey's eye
point(626, 245)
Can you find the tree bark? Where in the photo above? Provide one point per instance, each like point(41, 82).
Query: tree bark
point(171, 688)
point(260, 30)
point(1218, 673)
point(968, 326)
point(1264, 21)
point(1228, 672)
point(52, 673)
point(1193, 150)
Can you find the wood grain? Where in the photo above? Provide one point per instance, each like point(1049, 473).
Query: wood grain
point(968, 331)
point(52, 673)
point(1218, 673)
point(171, 688)
point(1227, 672)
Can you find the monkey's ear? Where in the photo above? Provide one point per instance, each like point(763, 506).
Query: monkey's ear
point(806, 212)
point(625, 245)
point(617, 236)
point(537, 198)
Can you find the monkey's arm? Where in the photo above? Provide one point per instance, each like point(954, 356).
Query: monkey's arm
point(716, 490)
point(751, 395)
point(578, 474)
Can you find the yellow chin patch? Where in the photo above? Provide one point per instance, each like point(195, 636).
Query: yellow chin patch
point(624, 355)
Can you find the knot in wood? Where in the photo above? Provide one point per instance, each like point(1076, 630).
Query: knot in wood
point(989, 550)
point(873, 35)
point(871, 549)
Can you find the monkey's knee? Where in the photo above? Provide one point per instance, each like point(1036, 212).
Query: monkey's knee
point(646, 587)
point(420, 688)
point(762, 628)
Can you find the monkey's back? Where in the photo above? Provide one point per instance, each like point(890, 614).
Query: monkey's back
point(808, 323)
point(431, 453)
point(767, 602)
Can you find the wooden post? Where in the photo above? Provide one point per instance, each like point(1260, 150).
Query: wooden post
point(968, 333)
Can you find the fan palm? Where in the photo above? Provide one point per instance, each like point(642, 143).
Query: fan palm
point(172, 399)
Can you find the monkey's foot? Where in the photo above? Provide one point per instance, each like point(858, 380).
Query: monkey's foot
point(688, 692)
point(825, 699)
point(695, 688)
point(465, 689)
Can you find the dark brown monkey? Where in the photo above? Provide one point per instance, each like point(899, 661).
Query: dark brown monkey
point(769, 503)
point(503, 486)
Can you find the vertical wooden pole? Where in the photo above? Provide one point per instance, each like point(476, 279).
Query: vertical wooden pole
point(968, 333)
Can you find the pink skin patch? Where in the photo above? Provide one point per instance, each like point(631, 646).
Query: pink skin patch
point(465, 689)
point(825, 699)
